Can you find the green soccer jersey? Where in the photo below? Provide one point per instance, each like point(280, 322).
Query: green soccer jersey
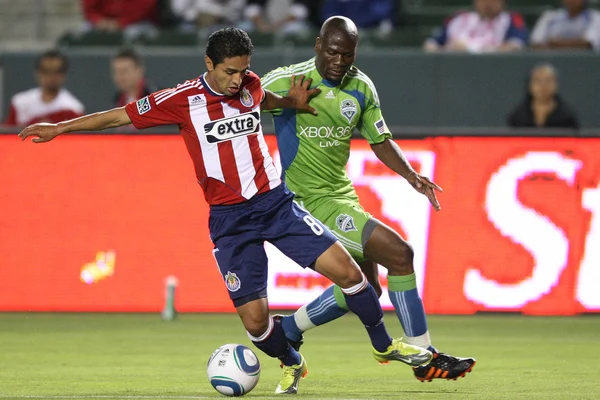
point(314, 150)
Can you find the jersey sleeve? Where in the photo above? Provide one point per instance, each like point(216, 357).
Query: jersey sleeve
point(11, 119)
point(540, 31)
point(592, 33)
point(159, 108)
point(372, 126)
point(517, 31)
point(277, 81)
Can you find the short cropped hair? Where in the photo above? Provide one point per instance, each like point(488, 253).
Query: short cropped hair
point(228, 43)
point(129, 54)
point(52, 54)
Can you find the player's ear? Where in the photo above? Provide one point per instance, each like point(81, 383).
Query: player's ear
point(318, 44)
point(209, 64)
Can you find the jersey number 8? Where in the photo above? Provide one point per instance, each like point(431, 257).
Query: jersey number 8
point(314, 225)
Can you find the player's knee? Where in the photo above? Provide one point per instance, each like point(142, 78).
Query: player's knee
point(256, 326)
point(402, 261)
point(350, 276)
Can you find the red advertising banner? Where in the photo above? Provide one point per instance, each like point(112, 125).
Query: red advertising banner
point(97, 223)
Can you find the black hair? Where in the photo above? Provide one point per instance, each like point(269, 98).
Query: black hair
point(129, 54)
point(228, 43)
point(52, 54)
point(528, 96)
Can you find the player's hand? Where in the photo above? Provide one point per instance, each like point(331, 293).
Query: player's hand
point(42, 132)
point(301, 95)
point(425, 186)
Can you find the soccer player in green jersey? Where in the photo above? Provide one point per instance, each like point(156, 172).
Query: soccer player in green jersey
point(314, 150)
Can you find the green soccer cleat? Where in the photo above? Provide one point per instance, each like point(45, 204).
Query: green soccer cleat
point(406, 353)
point(291, 377)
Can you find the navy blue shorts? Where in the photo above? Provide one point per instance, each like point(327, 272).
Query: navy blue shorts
point(240, 230)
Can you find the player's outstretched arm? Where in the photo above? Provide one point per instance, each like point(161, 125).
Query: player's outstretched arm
point(391, 155)
point(297, 98)
point(44, 132)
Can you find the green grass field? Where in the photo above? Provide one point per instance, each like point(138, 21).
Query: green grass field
point(121, 356)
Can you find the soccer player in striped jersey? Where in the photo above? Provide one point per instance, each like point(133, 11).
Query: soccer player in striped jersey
point(218, 115)
point(314, 151)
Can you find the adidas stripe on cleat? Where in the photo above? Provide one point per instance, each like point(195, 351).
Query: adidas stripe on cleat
point(444, 366)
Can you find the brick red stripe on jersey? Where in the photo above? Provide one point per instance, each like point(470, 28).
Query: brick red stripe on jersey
point(226, 154)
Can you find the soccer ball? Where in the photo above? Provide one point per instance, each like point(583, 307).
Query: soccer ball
point(233, 370)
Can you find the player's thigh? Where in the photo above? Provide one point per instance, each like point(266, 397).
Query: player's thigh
point(385, 246)
point(299, 235)
point(339, 266)
point(345, 218)
point(243, 268)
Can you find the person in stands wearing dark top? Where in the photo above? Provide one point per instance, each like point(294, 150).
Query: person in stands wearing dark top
point(543, 107)
point(128, 76)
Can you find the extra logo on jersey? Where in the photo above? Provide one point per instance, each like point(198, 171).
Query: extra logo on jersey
point(348, 109)
point(229, 128)
point(345, 223)
point(143, 105)
point(246, 98)
point(232, 281)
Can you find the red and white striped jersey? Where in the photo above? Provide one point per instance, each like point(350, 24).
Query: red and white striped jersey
point(28, 108)
point(222, 133)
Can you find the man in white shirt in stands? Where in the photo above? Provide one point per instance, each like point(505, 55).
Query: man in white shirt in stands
point(489, 28)
point(573, 27)
point(49, 102)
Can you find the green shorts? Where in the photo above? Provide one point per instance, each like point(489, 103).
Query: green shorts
point(344, 217)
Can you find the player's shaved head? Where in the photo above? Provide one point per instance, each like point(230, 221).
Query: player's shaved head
point(338, 25)
point(336, 47)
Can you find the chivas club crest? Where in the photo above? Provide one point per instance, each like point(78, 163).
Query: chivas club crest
point(246, 98)
point(232, 281)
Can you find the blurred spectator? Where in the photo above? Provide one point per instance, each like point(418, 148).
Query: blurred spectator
point(574, 26)
point(371, 14)
point(128, 76)
point(133, 17)
point(282, 16)
point(208, 14)
point(489, 28)
point(543, 107)
point(49, 102)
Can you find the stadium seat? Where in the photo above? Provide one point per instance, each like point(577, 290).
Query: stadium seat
point(92, 38)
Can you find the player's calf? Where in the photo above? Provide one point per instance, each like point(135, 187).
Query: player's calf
point(337, 264)
point(271, 340)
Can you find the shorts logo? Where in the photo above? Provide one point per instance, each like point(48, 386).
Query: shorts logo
point(348, 109)
point(143, 105)
point(345, 223)
point(232, 282)
point(246, 98)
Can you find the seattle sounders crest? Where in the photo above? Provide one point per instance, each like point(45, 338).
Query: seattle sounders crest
point(348, 109)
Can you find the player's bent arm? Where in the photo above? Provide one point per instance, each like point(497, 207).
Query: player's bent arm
point(298, 96)
point(91, 122)
point(273, 101)
point(391, 155)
